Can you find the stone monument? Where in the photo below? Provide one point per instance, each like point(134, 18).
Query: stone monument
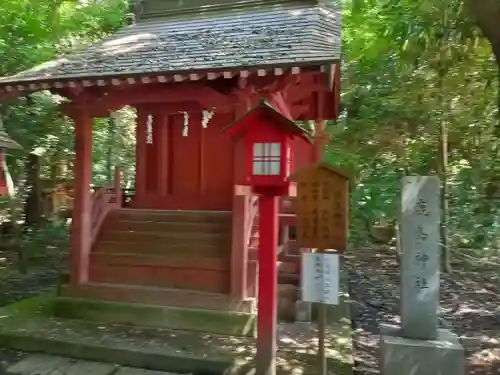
point(419, 346)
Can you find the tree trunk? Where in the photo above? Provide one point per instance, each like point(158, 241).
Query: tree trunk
point(496, 51)
point(443, 174)
point(112, 139)
point(33, 206)
point(486, 14)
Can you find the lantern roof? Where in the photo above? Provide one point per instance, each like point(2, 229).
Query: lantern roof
point(303, 174)
point(289, 126)
point(197, 36)
point(7, 142)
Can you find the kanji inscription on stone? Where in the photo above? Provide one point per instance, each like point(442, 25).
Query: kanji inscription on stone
point(420, 259)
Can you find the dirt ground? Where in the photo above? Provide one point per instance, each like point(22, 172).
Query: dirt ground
point(469, 307)
point(15, 286)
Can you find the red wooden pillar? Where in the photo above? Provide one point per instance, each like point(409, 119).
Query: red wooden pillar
point(82, 209)
point(268, 286)
point(239, 247)
point(140, 153)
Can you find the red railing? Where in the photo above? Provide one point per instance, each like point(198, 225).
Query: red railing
point(105, 199)
point(245, 206)
point(252, 210)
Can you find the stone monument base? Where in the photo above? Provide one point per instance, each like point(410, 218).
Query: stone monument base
point(401, 356)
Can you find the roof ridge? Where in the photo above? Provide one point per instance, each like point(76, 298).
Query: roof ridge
point(165, 9)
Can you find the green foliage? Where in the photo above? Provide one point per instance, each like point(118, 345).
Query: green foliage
point(410, 67)
point(43, 246)
point(32, 32)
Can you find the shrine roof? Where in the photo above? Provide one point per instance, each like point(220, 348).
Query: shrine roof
point(298, 34)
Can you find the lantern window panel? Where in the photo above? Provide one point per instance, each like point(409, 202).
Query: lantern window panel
point(266, 159)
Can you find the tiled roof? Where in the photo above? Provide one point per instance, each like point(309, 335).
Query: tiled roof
point(298, 35)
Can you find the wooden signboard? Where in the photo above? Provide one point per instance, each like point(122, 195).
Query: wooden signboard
point(322, 206)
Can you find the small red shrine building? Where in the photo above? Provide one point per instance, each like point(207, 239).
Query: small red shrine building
point(189, 69)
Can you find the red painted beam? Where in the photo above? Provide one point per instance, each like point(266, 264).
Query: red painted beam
point(82, 206)
point(267, 328)
point(204, 95)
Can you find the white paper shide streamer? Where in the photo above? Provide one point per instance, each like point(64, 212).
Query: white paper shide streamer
point(185, 128)
point(206, 117)
point(149, 134)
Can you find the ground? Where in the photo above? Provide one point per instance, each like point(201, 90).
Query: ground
point(469, 307)
point(468, 303)
point(31, 324)
point(15, 286)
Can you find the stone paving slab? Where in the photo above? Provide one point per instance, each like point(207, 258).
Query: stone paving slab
point(138, 371)
point(42, 364)
point(39, 364)
point(174, 351)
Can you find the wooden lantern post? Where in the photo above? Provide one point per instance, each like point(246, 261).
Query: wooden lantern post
point(322, 223)
point(268, 137)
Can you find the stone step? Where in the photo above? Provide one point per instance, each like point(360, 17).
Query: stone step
point(287, 300)
point(29, 325)
point(155, 349)
point(169, 226)
point(163, 247)
point(171, 216)
point(288, 267)
point(157, 296)
point(288, 278)
point(220, 238)
point(43, 364)
point(293, 249)
point(168, 260)
point(287, 291)
point(208, 280)
point(142, 315)
point(40, 364)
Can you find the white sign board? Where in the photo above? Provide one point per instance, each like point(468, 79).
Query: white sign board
point(320, 278)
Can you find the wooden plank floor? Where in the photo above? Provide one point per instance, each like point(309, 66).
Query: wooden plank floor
point(41, 364)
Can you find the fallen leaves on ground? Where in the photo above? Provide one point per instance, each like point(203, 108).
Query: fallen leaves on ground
point(469, 307)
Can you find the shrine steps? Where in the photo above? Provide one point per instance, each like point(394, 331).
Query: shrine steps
point(166, 269)
point(156, 316)
point(157, 296)
point(171, 216)
point(169, 249)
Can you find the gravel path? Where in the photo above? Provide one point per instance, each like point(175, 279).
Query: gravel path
point(469, 307)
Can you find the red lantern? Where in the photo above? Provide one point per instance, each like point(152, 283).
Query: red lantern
point(267, 136)
point(4, 189)
point(5, 143)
